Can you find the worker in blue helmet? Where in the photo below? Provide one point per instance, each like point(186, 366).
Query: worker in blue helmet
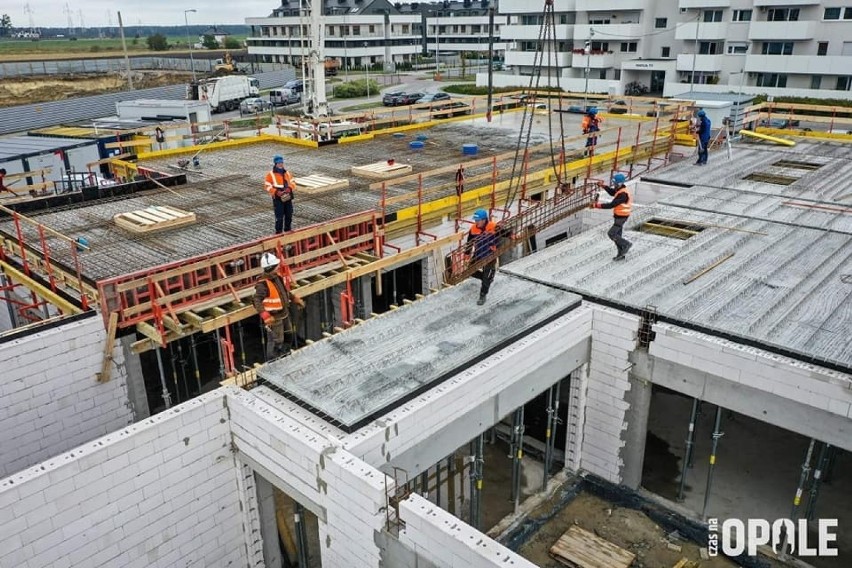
point(279, 184)
point(621, 205)
point(703, 135)
point(591, 123)
point(483, 241)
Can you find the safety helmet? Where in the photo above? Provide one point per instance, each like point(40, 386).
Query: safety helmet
point(82, 243)
point(269, 261)
point(618, 179)
point(593, 110)
point(278, 160)
point(701, 113)
point(480, 215)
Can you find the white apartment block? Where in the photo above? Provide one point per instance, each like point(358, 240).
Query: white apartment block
point(792, 47)
point(376, 32)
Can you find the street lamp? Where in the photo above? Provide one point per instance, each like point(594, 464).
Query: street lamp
point(191, 58)
point(367, 67)
point(695, 52)
point(588, 67)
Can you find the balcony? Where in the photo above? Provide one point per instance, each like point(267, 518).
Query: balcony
point(799, 64)
point(706, 31)
point(710, 63)
point(693, 4)
point(789, 31)
point(531, 33)
point(610, 32)
point(773, 3)
point(527, 58)
point(594, 60)
point(523, 6)
point(606, 5)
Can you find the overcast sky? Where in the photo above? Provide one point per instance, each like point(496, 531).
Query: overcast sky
point(51, 13)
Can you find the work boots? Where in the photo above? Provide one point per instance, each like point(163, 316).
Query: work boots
point(481, 300)
point(622, 252)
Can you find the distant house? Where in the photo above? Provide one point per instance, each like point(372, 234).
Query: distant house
point(218, 34)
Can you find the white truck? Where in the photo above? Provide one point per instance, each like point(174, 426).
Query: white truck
point(223, 93)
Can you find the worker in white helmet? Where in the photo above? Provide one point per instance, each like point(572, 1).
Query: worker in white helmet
point(272, 301)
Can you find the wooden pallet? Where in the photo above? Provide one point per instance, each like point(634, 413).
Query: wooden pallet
point(153, 218)
point(579, 548)
point(381, 170)
point(316, 183)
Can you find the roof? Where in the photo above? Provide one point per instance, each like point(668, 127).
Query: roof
point(772, 265)
point(290, 8)
point(463, 8)
point(358, 375)
point(17, 147)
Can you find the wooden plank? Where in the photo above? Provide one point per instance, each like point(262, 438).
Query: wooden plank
point(580, 548)
point(22, 175)
point(317, 183)
point(153, 219)
point(381, 170)
point(106, 366)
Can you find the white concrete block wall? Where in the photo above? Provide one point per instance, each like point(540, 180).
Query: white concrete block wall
point(614, 336)
point(161, 492)
point(50, 399)
point(444, 540)
point(805, 383)
point(423, 417)
point(576, 418)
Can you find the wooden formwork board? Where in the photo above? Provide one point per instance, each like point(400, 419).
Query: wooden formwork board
point(579, 548)
point(381, 170)
point(153, 219)
point(317, 183)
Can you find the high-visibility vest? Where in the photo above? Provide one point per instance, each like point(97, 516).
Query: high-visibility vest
point(484, 240)
point(275, 182)
point(623, 209)
point(273, 301)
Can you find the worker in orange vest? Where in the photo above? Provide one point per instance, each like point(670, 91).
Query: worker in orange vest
point(621, 205)
point(483, 240)
point(272, 301)
point(280, 185)
point(591, 123)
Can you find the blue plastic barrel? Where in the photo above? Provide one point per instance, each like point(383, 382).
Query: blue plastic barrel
point(416, 145)
point(422, 137)
point(470, 149)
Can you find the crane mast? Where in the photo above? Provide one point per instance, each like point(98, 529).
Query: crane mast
point(319, 104)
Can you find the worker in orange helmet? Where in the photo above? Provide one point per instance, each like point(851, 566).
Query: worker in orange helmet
point(279, 184)
point(621, 205)
point(272, 301)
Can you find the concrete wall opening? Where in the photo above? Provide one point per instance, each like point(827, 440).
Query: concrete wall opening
point(670, 228)
point(757, 471)
point(404, 283)
point(774, 179)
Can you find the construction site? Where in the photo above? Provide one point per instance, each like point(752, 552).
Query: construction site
point(591, 411)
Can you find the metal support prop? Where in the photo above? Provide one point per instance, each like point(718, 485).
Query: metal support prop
point(173, 360)
point(818, 477)
point(451, 485)
point(803, 479)
point(687, 458)
point(438, 483)
point(167, 399)
point(301, 535)
point(242, 344)
point(517, 454)
point(716, 435)
point(183, 369)
point(195, 361)
point(219, 353)
point(477, 474)
point(424, 484)
point(548, 432)
point(472, 481)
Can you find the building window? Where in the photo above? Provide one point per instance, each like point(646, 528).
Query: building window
point(617, 74)
point(847, 14)
point(741, 16)
point(822, 48)
point(600, 46)
point(661, 22)
point(782, 15)
point(405, 28)
point(737, 48)
point(831, 14)
point(712, 15)
point(599, 22)
point(602, 74)
point(709, 48)
point(666, 52)
point(331, 30)
point(816, 80)
point(628, 46)
point(843, 83)
point(475, 29)
point(771, 80)
point(356, 30)
point(777, 48)
point(846, 49)
point(372, 29)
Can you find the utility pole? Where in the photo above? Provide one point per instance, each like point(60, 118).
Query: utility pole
point(588, 68)
point(695, 52)
point(124, 48)
point(189, 40)
point(319, 102)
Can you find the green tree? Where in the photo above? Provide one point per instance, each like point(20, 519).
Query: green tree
point(157, 42)
point(209, 42)
point(232, 43)
point(5, 25)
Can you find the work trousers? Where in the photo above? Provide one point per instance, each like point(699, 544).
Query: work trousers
point(702, 151)
point(615, 234)
point(278, 335)
point(486, 275)
point(283, 215)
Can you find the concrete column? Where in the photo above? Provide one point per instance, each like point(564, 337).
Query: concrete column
point(365, 296)
point(636, 417)
point(136, 393)
point(268, 522)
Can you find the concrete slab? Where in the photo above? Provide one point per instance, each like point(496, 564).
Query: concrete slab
point(359, 374)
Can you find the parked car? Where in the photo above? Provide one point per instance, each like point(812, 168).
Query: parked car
point(619, 107)
point(389, 99)
point(408, 98)
point(284, 96)
point(449, 110)
point(780, 123)
point(254, 105)
point(296, 85)
point(434, 97)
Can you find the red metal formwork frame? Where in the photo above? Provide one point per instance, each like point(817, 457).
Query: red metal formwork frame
point(149, 295)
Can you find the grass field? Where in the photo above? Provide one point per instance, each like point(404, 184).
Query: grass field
point(11, 50)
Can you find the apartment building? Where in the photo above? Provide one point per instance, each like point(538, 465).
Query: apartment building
point(375, 32)
point(800, 47)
